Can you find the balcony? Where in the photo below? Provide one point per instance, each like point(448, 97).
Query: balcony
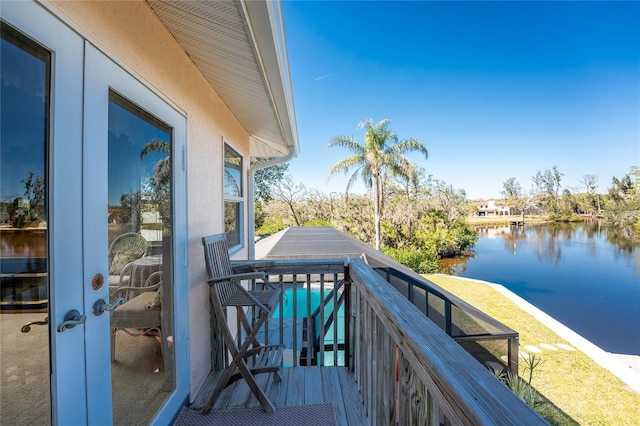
point(356, 342)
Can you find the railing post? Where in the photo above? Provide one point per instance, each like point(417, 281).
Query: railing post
point(513, 354)
point(447, 317)
point(347, 317)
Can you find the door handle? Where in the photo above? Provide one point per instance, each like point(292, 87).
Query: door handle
point(27, 327)
point(101, 306)
point(71, 319)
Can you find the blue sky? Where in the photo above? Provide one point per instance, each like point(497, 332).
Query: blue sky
point(493, 89)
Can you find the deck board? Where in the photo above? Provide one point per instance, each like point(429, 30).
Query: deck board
point(295, 387)
point(352, 398)
point(331, 388)
point(299, 386)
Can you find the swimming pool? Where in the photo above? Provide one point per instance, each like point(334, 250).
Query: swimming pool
point(300, 295)
point(301, 303)
point(282, 329)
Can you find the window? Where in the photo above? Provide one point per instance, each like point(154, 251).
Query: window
point(233, 197)
point(140, 195)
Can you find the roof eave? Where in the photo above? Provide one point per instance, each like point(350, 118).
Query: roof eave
point(239, 47)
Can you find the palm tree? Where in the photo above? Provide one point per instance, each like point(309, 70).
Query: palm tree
point(162, 169)
point(381, 152)
point(161, 178)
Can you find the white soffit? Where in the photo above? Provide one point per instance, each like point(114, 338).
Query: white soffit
point(239, 48)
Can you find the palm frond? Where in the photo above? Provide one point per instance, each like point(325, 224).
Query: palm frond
point(354, 176)
point(398, 165)
point(156, 145)
point(347, 164)
point(347, 142)
point(408, 145)
point(367, 177)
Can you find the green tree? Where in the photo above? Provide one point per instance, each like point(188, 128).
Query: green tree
point(591, 199)
point(450, 201)
point(514, 196)
point(162, 169)
point(159, 191)
point(546, 190)
point(265, 178)
point(287, 192)
point(34, 193)
point(381, 152)
point(623, 206)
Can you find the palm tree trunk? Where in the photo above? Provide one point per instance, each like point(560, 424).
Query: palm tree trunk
point(376, 202)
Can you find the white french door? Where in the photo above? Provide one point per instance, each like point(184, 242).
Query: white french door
point(50, 363)
point(96, 120)
point(137, 133)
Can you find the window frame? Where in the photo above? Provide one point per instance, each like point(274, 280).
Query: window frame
point(239, 201)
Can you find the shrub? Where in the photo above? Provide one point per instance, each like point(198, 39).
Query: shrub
point(421, 261)
point(271, 226)
point(318, 222)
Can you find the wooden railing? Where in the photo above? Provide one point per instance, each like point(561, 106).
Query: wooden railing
point(310, 310)
point(408, 371)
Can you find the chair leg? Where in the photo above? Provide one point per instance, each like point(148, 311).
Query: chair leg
point(267, 406)
point(222, 383)
point(113, 344)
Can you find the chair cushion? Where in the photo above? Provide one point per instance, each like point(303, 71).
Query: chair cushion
point(120, 260)
point(134, 314)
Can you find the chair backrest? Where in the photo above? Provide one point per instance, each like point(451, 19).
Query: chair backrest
point(216, 256)
point(130, 242)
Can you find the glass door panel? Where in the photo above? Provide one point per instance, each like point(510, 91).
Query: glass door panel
point(139, 215)
point(24, 331)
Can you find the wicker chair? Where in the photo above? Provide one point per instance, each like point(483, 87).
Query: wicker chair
point(123, 250)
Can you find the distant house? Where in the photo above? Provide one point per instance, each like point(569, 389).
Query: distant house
point(492, 208)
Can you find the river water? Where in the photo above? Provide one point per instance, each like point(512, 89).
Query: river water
point(585, 275)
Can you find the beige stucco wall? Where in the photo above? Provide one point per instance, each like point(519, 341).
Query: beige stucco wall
point(131, 34)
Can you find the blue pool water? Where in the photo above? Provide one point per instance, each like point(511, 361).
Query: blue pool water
point(300, 295)
point(301, 303)
point(283, 319)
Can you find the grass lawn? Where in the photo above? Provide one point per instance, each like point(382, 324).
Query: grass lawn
point(579, 391)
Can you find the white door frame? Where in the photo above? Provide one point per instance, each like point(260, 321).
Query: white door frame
point(80, 361)
point(102, 75)
point(68, 387)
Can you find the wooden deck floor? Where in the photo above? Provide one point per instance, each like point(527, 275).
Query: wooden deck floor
point(299, 386)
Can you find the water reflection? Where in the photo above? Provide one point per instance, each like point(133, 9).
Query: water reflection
point(453, 265)
point(549, 239)
point(570, 271)
point(548, 243)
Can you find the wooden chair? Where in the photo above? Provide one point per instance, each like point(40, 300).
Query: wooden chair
point(249, 357)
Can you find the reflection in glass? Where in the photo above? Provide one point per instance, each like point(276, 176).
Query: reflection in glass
point(24, 331)
point(231, 225)
point(140, 267)
point(232, 196)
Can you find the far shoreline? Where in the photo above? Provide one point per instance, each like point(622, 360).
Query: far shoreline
point(504, 220)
